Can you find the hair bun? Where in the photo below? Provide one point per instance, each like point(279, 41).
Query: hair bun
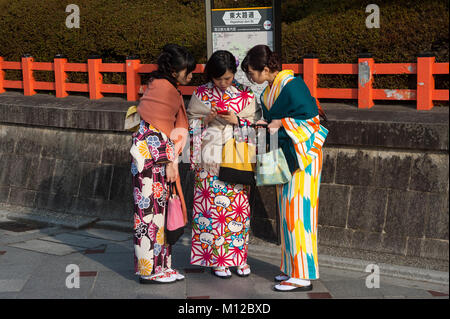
point(261, 56)
point(173, 58)
point(274, 62)
point(218, 63)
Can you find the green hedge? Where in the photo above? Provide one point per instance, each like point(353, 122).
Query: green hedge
point(333, 29)
point(337, 33)
point(111, 28)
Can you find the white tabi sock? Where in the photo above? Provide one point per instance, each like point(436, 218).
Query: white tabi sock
point(297, 281)
point(301, 282)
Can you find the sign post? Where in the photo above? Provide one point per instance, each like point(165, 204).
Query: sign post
point(209, 4)
point(239, 29)
point(276, 4)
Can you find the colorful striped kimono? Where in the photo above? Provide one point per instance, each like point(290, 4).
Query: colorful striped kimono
point(298, 199)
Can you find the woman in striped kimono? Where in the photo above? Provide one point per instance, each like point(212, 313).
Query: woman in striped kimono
point(293, 114)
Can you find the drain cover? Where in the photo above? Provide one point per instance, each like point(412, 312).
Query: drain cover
point(18, 227)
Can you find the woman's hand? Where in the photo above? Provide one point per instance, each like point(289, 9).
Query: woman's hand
point(261, 122)
point(211, 116)
point(172, 172)
point(231, 118)
point(274, 126)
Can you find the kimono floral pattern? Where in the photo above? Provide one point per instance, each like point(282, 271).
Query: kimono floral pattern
point(151, 151)
point(221, 222)
point(230, 100)
point(221, 211)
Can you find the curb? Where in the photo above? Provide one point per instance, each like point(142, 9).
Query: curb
point(115, 225)
point(47, 218)
point(269, 250)
point(388, 270)
point(256, 248)
point(395, 271)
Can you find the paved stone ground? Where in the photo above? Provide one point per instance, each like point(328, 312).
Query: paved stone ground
point(33, 264)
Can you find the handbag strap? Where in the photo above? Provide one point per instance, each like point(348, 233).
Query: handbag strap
point(173, 189)
point(265, 126)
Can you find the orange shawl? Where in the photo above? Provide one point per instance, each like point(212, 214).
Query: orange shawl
point(163, 107)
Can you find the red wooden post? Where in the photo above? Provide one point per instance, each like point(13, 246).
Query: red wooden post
point(27, 75)
point(60, 75)
point(133, 78)
point(365, 80)
point(310, 62)
point(2, 75)
point(95, 77)
point(425, 81)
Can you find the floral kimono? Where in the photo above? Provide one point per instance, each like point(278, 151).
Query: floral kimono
point(221, 211)
point(301, 138)
point(151, 151)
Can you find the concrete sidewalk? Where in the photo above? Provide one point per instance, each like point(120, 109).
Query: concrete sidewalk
point(36, 263)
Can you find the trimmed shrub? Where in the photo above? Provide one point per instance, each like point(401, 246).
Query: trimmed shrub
point(333, 29)
point(337, 33)
point(113, 29)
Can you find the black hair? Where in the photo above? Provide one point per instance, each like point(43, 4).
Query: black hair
point(259, 57)
point(219, 63)
point(173, 58)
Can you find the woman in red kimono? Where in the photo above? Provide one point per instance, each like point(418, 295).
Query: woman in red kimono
point(221, 210)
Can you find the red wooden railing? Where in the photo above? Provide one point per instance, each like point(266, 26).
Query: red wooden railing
point(366, 69)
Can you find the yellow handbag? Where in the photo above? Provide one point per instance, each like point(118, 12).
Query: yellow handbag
point(238, 162)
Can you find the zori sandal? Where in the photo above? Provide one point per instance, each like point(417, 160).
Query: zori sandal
point(221, 272)
point(160, 278)
point(286, 286)
point(243, 271)
point(175, 273)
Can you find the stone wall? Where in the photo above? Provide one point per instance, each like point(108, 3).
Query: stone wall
point(384, 183)
point(383, 200)
point(80, 172)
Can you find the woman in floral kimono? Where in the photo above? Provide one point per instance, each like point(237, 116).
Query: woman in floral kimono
point(293, 114)
point(221, 211)
point(155, 147)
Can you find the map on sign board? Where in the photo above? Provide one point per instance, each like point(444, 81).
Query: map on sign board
point(237, 31)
